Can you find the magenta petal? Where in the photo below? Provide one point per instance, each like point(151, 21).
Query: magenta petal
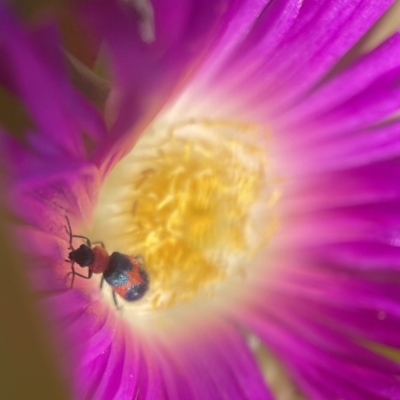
point(353, 149)
point(322, 35)
point(365, 256)
point(368, 107)
point(215, 365)
point(121, 363)
point(267, 72)
point(322, 360)
point(356, 297)
point(355, 78)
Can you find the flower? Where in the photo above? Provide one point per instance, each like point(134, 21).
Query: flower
point(261, 192)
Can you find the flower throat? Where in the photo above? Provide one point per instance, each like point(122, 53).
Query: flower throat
point(196, 200)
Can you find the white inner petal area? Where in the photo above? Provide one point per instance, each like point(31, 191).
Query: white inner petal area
point(197, 199)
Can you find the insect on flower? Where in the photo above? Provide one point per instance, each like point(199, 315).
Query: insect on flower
point(125, 274)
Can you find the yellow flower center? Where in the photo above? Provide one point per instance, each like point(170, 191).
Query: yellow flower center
point(196, 200)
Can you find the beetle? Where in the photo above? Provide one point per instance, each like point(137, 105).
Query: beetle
point(125, 274)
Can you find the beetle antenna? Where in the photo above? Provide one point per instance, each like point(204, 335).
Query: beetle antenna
point(72, 273)
point(69, 231)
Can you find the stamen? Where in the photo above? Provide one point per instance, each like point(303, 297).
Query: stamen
point(197, 201)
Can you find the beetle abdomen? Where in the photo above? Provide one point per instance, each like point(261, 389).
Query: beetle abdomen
point(126, 277)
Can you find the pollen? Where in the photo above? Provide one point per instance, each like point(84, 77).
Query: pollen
point(198, 201)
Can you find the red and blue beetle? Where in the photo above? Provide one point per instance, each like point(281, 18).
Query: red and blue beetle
point(125, 274)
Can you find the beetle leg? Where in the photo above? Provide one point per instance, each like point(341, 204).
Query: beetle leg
point(69, 232)
point(89, 244)
point(114, 295)
point(73, 273)
point(89, 275)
